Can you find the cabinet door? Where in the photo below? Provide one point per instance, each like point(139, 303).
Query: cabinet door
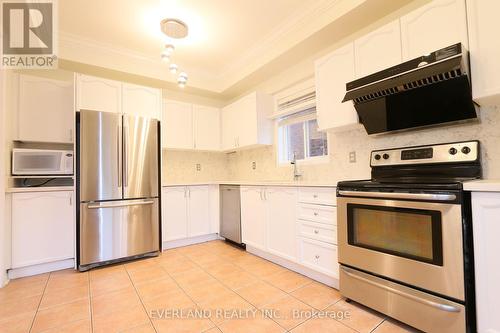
point(46, 110)
point(177, 129)
point(482, 16)
point(486, 229)
point(141, 101)
point(42, 227)
point(198, 211)
point(98, 94)
point(281, 223)
point(246, 121)
point(438, 24)
point(229, 131)
point(253, 217)
point(332, 74)
point(174, 213)
point(378, 50)
point(206, 128)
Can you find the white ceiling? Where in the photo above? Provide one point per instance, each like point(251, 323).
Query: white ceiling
point(221, 31)
point(229, 41)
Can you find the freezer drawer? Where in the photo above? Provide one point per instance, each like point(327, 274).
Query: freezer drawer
point(118, 229)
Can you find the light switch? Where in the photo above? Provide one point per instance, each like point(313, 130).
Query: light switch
point(352, 157)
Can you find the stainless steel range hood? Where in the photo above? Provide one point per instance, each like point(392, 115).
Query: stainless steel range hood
point(429, 90)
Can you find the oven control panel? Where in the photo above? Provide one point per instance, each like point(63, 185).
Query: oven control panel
point(457, 152)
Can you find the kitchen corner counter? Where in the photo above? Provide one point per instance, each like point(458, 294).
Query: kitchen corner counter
point(39, 189)
point(483, 185)
point(255, 183)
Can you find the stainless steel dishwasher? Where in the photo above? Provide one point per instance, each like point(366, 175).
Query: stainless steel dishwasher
point(230, 217)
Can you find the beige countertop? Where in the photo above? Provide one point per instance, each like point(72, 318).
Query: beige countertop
point(483, 185)
point(39, 189)
point(256, 183)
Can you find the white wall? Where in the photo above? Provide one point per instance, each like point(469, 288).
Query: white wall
point(3, 240)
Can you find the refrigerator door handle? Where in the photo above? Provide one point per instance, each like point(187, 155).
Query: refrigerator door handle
point(125, 157)
point(120, 204)
point(119, 154)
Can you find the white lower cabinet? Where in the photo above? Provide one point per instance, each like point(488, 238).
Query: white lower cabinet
point(174, 213)
point(319, 256)
point(42, 228)
point(287, 223)
point(281, 239)
point(253, 217)
point(198, 211)
point(486, 229)
point(186, 212)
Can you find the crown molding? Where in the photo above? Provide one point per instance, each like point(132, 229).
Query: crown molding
point(306, 20)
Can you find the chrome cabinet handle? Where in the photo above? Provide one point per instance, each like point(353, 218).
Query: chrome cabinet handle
point(316, 256)
point(440, 306)
point(316, 231)
point(315, 196)
point(315, 214)
point(396, 195)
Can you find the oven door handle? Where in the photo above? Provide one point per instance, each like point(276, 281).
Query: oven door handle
point(440, 306)
point(399, 195)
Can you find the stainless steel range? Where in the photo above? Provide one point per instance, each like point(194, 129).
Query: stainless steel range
point(405, 236)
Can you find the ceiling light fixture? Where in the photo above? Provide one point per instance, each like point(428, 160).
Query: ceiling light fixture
point(176, 29)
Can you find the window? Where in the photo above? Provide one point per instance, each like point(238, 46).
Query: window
point(298, 134)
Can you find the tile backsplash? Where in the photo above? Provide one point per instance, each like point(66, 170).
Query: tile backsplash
point(180, 167)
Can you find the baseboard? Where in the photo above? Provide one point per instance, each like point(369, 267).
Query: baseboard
point(189, 241)
point(296, 267)
point(16, 273)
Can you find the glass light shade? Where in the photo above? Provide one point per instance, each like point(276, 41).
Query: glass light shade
point(173, 68)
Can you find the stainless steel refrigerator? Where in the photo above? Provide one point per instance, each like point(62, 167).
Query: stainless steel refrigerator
point(118, 188)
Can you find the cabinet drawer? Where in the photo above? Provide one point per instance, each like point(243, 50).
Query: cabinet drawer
point(318, 231)
point(318, 213)
point(319, 256)
point(318, 195)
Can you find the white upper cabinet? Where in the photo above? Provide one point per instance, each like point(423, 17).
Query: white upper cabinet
point(190, 127)
point(433, 26)
point(42, 228)
point(245, 123)
point(206, 127)
point(141, 101)
point(332, 73)
point(228, 123)
point(484, 25)
point(177, 128)
point(46, 110)
point(378, 50)
point(94, 93)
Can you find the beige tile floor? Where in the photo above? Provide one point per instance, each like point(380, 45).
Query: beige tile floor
point(210, 287)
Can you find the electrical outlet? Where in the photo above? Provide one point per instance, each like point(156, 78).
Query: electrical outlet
point(198, 167)
point(352, 157)
point(254, 165)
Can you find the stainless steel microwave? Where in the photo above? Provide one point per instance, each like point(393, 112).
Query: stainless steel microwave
point(43, 162)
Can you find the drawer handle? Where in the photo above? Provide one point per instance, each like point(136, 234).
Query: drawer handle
point(316, 256)
point(315, 196)
point(316, 231)
point(316, 214)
